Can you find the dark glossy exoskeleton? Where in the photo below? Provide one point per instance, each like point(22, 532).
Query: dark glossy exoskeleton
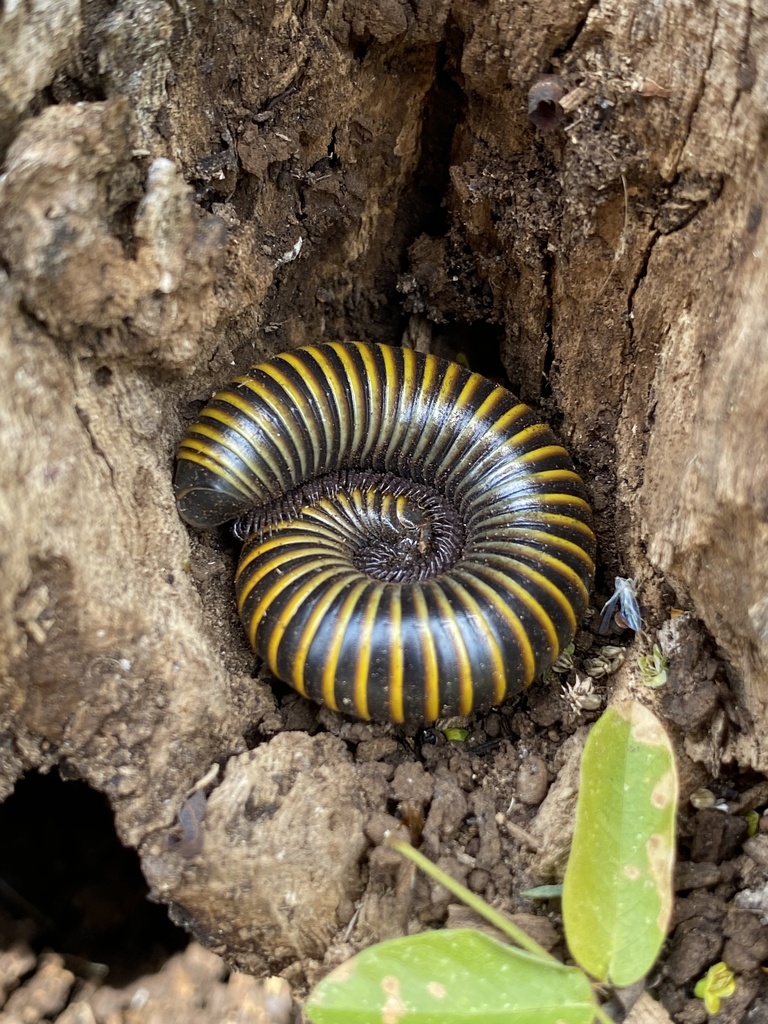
point(416, 544)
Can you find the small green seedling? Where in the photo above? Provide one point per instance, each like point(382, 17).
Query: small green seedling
point(565, 662)
point(544, 892)
point(617, 898)
point(654, 668)
point(457, 735)
point(717, 984)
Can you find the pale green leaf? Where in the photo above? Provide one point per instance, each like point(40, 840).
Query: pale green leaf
point(543, 892)
point(617, 894)
point(451, 977)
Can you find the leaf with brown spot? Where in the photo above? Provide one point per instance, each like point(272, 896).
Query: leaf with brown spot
point(455, 976)
point(617, 894)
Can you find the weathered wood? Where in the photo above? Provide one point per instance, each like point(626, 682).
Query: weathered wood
point(214, 183)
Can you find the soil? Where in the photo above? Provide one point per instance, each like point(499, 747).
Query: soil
point(187, 188)
point(494, 809)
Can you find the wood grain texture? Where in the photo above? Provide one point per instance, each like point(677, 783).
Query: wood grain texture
point(613, 270)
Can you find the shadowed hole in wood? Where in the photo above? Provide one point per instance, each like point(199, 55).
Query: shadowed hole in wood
point(70, 885)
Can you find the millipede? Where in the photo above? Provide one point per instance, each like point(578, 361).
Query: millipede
point(416, 543)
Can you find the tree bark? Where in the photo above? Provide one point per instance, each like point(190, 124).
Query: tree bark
point(187, 188)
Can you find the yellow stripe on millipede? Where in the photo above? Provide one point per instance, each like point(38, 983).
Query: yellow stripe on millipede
point(218, 451)
point(357, 402)
point(514, 623)
point(279, 545)
point(445, 406)
point(317, 614)
point(360, 689)
point(462, 403)
point(477, 615)
point(300, 404)
point(317, 391)
point(421, 428)
point(318, 577)
point(336, 395)
point(525, 597)
point(554, 476)
point(468, 391)
point(375, 405)
point(554, 540)
point(429, 656)
point(417, 432)
point(396, 703)
point(321, 521)
point(546, 585)
point(508, 549)
point(408, 383)
point(525, 435)
point(550, 499)
point(281, 560)
point(276, 405)
point(487, 405)
point(296, 600)
point(551, 519)
point(466, 690)
point(246, 409)
point(391, 375)
point(509, 417)
point(215, 464)
point(548, 451)
point(452, 371)
point(342, 618)
point(393, 387)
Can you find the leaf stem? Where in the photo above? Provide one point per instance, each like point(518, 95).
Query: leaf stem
point(477, 904)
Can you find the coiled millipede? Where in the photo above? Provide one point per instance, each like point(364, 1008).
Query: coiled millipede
point(416, 544)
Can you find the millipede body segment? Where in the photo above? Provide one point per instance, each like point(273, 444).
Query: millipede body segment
point(416, 543)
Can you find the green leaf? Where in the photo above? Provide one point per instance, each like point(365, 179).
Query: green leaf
point(543, 892)
point(617, 893)
point(457, 976)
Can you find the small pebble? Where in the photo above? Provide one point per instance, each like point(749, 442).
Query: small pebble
point(380, 824)
point(478, 880)
point(702, 798)
point(276, 994)
point(532, 781)
point(493, 726)
point(345, 910)
point(757, 848)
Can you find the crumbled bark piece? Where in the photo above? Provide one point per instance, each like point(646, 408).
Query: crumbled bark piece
point(484, 807)
point(446, 813)
point(696, 875)
point(44, 994)
point(695, 946)
point(376, 749)
point(716, 836)
point(746, 946)
point(293, 802)
point(412, 785)
point(706, 905)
